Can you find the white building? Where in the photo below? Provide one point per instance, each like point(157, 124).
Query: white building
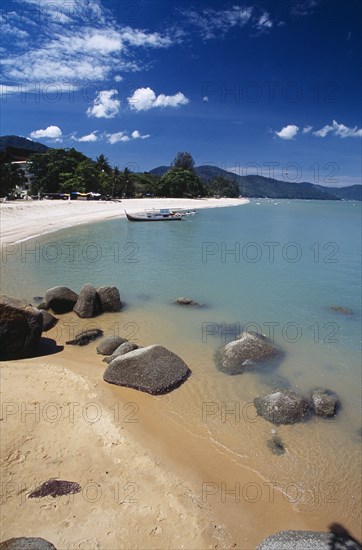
point(24, 190)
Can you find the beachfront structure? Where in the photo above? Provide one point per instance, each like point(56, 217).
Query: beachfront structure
point(23, 190)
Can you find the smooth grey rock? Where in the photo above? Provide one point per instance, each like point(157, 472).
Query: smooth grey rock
point(308, 540)
point(282, 407)
point(245, 353)
point(187, 302)
point(61, 299)
point(88, 303)
point(121, 350)
point(110, 298)
point(49, 321)
point(26, 543)
point(83, 338)
point(21, 326)
point(153, 369)
point(325, 402)
point(43, 305)
point(109, 344)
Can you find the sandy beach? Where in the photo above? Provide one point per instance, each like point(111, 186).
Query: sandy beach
point(148, 478)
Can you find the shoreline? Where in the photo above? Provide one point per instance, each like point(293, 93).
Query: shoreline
point(23, 220)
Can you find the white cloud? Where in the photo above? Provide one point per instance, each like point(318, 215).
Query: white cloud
point(214, 23)
point(205, 99)
point(265, 22)
point(144, 99)
point(116, 137)
point(105, 105)
point(137, 135)
point(136, 37)
point(338, 130)
point(52, 132)
point(307, 129)
point(88, 138)
point(288, 132)
point(118, 78)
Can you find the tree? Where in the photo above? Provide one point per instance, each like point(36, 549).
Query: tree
point(11, 176)
point(178, 182)
point(103, 164)
point(184, 161)
point(223, 187)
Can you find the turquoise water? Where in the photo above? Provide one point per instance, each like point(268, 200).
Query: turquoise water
point(272, 266)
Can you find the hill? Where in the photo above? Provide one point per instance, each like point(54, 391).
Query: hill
point(350, 193)
point(261, 187)
point(17, 142)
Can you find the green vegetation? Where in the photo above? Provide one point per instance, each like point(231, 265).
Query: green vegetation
point(11, 176)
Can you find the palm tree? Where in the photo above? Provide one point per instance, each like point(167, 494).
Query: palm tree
point(103, 164)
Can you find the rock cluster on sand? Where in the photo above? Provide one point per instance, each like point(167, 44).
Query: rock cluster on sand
point(89, 303)
point(124, 348)
point(26, 543)
point(21, 326)
point(324, 402)
point(152, 369)
point(308, 540)
point(282, 407)
point(245, 353)
point(109, 344)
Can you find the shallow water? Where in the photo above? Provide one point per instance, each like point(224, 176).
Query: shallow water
point(271, 266)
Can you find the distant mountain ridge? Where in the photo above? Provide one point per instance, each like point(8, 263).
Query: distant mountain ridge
point(261, 187)
point(17, 142)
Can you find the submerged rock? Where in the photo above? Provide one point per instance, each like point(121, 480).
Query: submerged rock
point(26, 543)
point(83, 338)
point(110, 298)
point(245, 353)
point(153, 369)
point(21, 326)
point(109, 344)
point(55, 488)
point(342, 310)
point(187, 302)
point(282, 407)
point(61, 299)
point(276, 445)
point(121, 350)
point(309, 540)
point(88, 303)
point(325, 402)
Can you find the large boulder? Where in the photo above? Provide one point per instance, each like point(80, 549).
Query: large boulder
point(308, 540)
point(153, 369)
point(88, 303)
point(21, 326)
point(61, 299)
point(124, 348)
point(109, 344)
point(49, 321)
point(282, 407)
point(245, 353)
point(26, 543)
point(325, 402)
point(110, 298)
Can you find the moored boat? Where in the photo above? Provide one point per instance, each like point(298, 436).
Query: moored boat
point(164, 214)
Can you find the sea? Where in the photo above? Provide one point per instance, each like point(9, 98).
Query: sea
point(272, 266)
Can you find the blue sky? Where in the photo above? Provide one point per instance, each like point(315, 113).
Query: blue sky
point(268, 87)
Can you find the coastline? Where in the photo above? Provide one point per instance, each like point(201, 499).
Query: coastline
point(22, 220)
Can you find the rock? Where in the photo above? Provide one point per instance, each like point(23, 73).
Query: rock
point(187, 302)
point(26, 543)
point(121, 350)
point(83, 338)
point(282, 407)
point(325, 402)
point(245, 352)
point(42, 305)
point(21, 326)
point(341, 310)
point(38, 299)
point(55, 488)
point(109, 344)
point(49, 321)
point(110, 298)
point(153, 369)
point(61, 299)
point(276, 445)
point(308, 540)
point(88, 303)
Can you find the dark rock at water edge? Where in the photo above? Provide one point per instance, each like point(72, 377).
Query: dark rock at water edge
point(26, 543)
point(276, 445)
point(21, 326)
point(88, 303)
point(153, 369)
point(325, 402)
point(121, 350)
point(110, 298)
point(282, 407)
point(187, 302)
point(43, 305)
point(109, 344)
point(55, 488)
point(308, 540)
point(49, 321)
point(245, 353)
point(83, 338)
point(61, 299)
point(342, 310)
